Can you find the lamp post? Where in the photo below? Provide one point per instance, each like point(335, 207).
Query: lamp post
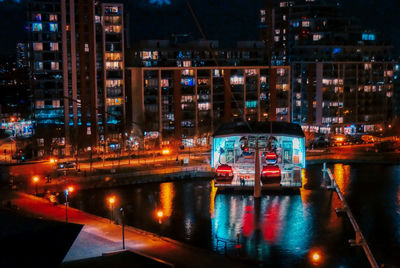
point(111, 201)
point(70, 189)
point(123, 226)
point(160, 215)
point(35, 181)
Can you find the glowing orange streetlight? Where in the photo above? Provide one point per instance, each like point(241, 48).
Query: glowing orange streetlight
point(160, 215)
point(316, 257)
point(111, 201)
point(67, 191)
point(166, 151)
point(35, 180)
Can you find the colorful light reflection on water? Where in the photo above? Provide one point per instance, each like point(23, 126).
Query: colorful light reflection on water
point(277, 230)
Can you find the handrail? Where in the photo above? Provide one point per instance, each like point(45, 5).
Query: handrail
point(360, 239)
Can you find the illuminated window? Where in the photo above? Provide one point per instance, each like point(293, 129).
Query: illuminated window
point(56, 103)
point(305, 23)
point(147, 55)
point(37, 17)
point(55, 65)
point(164, 83)
point(38, 65)
point(188, 98)
point(251, 104)
point(317, 37)
point(251, 72)
point(113, 65)
point(280, 71)
point(113, 56)
point(368, 37)
point(202, 81)
point(187, 63)
point(54, 46)
point(37, 46)
point(296, 24)
point(187, 81)
point(367, 66)
point(218, 73)
point(39, 104)
point(112, 29)
point(388, 73)
point(204, 106)
point(53, 17)
point(237, 80)
point(113, 83)
point(187, 72)
point(114, 101)
point(112, 10)
point(53, 27)
point(36, 27)
point(263, 79)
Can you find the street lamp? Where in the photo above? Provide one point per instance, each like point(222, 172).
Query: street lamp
point(316, 257)
point(111, 201)
point(123, 226)
point(35, 181)
point(69, 189)
point(160, 215)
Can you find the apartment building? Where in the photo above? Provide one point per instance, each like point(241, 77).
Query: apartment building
point(76, 53)
point(186, 104)
point(342, 74)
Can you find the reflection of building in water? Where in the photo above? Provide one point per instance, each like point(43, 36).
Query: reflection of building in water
point(283, 224)
point(167, 194)
point(213, 193)
point(342, 175)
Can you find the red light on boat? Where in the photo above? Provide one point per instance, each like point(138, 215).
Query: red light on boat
point(271, 171)
point(224, 169)
point(271, 156)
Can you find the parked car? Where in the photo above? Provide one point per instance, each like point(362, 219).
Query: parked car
point(320, 142)
point(66, 165)
point(357, 139)
point(368, 138)
point(386, 146)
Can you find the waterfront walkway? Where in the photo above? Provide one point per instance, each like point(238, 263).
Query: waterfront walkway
point(100, 236)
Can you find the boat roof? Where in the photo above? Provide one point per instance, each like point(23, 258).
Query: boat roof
point(273, 127)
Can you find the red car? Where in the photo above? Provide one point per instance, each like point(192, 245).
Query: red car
point(271, 174)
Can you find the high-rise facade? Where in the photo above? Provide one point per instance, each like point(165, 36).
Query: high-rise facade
point(76, 53)
point(183, 91)
point(341, 74)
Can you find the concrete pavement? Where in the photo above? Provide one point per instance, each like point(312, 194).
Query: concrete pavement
point(99, 236)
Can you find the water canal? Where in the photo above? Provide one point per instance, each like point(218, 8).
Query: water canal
point(294, 230)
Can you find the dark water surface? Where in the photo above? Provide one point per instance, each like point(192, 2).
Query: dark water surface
point(281, 230)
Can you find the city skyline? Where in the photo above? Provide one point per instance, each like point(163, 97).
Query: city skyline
point(237, 20)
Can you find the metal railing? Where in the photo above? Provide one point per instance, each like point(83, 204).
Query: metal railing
point(359, 239)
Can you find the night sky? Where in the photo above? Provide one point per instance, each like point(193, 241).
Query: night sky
point(224, 20)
